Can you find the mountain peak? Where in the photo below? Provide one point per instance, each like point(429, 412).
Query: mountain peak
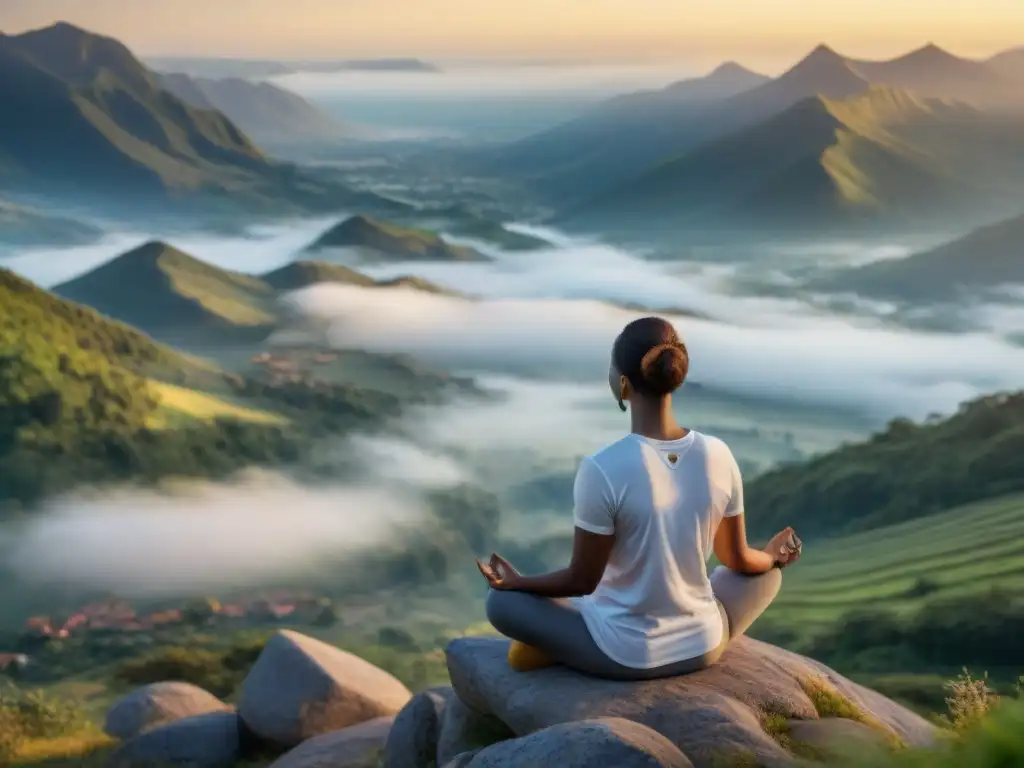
point(78, 55)
point(822, 71)
point(822, 60)
point(823, 52)
point(150, 252)
point(931, 53)
point(730, 69)
point(150, 246)
point(359, 224)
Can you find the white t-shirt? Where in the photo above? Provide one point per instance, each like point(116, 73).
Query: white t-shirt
point(663, 500)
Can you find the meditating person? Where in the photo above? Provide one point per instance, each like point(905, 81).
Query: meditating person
point(636, 601)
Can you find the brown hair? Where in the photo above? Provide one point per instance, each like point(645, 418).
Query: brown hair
point(651, 355)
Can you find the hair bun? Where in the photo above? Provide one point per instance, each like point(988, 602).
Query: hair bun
point(664, 368)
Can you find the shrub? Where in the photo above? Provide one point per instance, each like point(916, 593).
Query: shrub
point(395, 637)
point(977, 630)
point(11, 734)
point(27, 715)
point(219, 672)
point(995, 740)
point(241, 656)
point(969, 700)
point(198, 666)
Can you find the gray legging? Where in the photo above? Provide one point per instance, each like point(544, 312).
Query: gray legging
point(557, 628)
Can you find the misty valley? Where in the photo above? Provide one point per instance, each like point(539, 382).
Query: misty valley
point(286, 345)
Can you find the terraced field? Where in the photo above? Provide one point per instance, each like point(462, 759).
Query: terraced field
point(959, 552)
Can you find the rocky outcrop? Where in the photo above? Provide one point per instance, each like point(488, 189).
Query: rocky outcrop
point(356, 747)
point(608, 741)
point(718, 712)
point(300, 687)
point(158, 704)
point(830, 736)
point(316, 706)
point(334, 708)
point(465, 730)
point(203, 741)
point(462, 761)
point(412, 742)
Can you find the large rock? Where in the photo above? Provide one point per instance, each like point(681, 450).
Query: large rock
point(412, 742)
point(356, 747)
point(300, 687)
point(158, 704)
point(463, 760)
point(831, 736)
point(203, 741)
point(465, 730)
point(708, 714)
point(607, 741)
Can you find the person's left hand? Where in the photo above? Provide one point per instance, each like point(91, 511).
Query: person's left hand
point(499, 572)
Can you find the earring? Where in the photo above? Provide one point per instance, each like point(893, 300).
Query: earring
point(622, 405)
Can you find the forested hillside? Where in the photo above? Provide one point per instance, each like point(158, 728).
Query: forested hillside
point(908, 471)
point(87, 399)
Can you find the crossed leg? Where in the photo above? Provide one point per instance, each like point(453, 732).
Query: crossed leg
point(557, 629)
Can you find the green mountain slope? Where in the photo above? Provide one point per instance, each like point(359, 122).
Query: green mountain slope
point(610, 157)
point(271, 115)
point(73, 384)
point(182, 300)
point(39, 323)
point(87, 121)
point(480, 228)
point(988, 258)
point(881, 154)
point(304, 273)
point(380, 240)
point(163, 290)
point(600, 157)
point(880, 568)
point(85, 399)
point(107, 116)
point(614, 125)
point(904, 607)
point(907, 472)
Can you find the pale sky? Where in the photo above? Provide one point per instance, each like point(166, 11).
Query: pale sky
point(765, 33)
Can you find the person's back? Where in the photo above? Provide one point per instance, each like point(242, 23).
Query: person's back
point(664, 500)
point(649, 509)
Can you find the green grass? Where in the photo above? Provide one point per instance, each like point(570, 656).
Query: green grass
point(87, 749)
point(178, 402)
point(960, 552)
point(900, 609)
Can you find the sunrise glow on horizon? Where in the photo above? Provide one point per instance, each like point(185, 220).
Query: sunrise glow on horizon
point(760, 33)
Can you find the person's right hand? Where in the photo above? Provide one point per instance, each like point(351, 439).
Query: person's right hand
point(784, 548)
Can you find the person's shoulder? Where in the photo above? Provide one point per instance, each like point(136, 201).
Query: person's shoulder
point(617, 456)
point(627, 445)
point(714, 447)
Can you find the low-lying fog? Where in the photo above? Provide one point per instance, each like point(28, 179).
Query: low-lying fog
point(470, 101)
point(780, 377)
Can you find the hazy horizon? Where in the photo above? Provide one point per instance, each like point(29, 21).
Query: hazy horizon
point(601, 30)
